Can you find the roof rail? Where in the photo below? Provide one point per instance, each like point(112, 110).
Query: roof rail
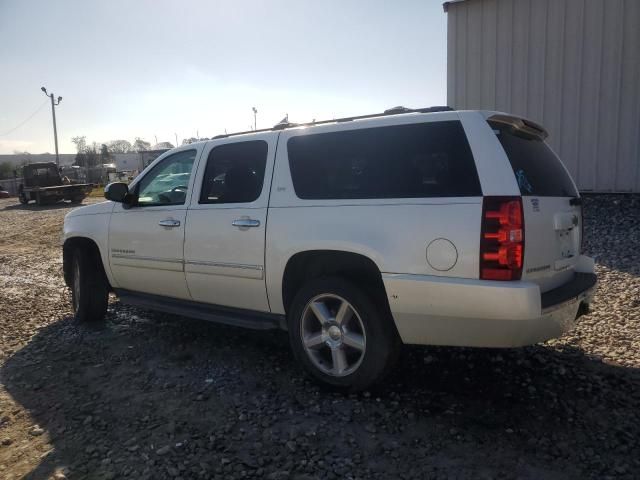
point(386, 113)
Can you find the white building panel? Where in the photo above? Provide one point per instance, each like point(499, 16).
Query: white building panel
point(570, 65)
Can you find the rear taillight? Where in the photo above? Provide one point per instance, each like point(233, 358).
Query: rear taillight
point(502, 238)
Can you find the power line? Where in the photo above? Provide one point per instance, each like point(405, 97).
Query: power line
point(29, 118)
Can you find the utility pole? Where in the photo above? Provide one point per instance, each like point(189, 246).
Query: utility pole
point(255, 123)
point(176, 139)
point(55, 129)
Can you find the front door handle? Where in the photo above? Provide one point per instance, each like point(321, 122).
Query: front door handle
point(169, 222)
point(245, 222)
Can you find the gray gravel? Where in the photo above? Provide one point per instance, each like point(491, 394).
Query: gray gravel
point(155, 396)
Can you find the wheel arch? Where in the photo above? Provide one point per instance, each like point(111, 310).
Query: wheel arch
point(355, 267)
point(73, 243)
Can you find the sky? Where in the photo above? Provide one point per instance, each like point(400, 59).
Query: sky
point(154, 69)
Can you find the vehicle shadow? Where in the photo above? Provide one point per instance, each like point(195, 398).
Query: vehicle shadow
point(156, 396)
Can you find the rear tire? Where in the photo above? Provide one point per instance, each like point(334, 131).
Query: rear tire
point(77, 199)
point(342, 337)
point(89, 286)
point(22, 197)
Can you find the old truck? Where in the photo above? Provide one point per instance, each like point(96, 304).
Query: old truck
point(42, 182)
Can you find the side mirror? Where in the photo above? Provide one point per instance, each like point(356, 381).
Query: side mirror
point(117, 192)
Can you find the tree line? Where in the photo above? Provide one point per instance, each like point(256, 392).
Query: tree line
point(94, 153)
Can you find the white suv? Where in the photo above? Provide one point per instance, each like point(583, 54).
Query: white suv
point(430, 226)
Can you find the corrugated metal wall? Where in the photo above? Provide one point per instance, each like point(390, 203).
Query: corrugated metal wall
point(571, 65)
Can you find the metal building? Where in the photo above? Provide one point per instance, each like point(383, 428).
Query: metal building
point(571, 65)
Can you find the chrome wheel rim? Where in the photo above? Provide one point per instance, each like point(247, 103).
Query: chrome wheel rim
point(76, 285)
point(333, 335)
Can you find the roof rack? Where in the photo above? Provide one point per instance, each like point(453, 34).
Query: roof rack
point(386, 113)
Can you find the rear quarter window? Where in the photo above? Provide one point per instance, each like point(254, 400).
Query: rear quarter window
point(402, 161)
point(538, 171)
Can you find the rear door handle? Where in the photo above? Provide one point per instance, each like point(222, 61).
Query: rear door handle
point(169, 222)
point(245, 222)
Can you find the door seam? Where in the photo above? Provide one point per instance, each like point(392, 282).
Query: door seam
point(266, 222)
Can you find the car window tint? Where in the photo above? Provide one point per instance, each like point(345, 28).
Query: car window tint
point(167, 182)
point(403, 161)
point(539, 172)
point(234, 173)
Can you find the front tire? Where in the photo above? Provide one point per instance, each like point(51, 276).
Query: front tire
point(89, 287)
point(341, 335)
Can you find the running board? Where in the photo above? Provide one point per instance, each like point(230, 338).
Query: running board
point(214, 313)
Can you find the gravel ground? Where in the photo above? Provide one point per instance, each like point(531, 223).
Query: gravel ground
point(155, 396)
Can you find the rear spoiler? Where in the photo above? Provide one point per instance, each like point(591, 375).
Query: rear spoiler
point(519, 126)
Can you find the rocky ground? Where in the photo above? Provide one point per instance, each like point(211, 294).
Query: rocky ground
point(155, 396)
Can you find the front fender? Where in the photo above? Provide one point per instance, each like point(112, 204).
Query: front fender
point(94, 227)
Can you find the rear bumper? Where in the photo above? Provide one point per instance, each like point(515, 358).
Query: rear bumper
point(431, 310)
point(577, 288)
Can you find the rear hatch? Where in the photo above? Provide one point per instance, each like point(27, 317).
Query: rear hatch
point(551, 203)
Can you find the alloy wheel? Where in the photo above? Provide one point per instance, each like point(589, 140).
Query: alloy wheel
point(333, 335)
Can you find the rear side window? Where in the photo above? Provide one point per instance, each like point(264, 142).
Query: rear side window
point(539, 172)
point(234, 173)
point(403, 161)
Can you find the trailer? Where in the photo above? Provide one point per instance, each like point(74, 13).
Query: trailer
point(43, 184)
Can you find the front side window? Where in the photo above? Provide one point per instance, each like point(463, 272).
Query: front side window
point(168, 182)
point(402, 161)
point(234, 173)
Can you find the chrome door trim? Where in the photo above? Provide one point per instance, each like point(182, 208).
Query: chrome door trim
point(149, 259)
point(139, 261)
point(225, 269)
point(222, 264)
point(189, 262)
